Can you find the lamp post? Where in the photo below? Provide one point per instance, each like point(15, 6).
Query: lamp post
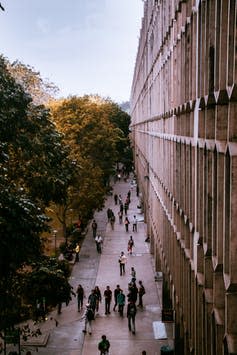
point(55, 246)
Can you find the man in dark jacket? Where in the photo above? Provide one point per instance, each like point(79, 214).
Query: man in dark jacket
point(108, 298)
point(131, 315)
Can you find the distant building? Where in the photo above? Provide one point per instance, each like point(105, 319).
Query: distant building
point(184, 133)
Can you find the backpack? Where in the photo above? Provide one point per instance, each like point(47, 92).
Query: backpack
point(104, 345)
point(90, 314)
point(132, 310)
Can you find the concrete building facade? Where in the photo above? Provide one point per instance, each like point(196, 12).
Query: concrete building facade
point(184, 136)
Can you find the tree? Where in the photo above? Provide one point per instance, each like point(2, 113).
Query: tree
point(34, 170)
point(40, 90)
point(93, 140)
point(37, 160)
point(121, 119)
point(49, 281)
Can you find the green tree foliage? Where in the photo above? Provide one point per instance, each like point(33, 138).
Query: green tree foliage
point(65, 159)
point(48, 280)
point(121, 120)
point(34, 170)
point(90, 128)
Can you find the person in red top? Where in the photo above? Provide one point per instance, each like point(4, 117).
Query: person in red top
point(130, 245)
point(108, 298)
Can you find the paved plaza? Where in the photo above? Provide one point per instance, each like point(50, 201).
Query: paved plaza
point(94, 269)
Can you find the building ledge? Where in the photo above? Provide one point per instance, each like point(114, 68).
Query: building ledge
point(208, 293)
point(219, 315)
point(200, 279)
point(231, 340)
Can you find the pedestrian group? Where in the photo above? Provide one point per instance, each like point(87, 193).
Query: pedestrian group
point(134, 293)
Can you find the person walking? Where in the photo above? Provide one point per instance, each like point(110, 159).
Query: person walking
point(133, 274)
point(127, 201)
point(112, 220)
point(77, 251)
point(132, 292)
point(108, 298)
point(126, 223)
point(92, 299)
point(134, 224)
point(108, 213)
point(94, 228)
point(99, 243)
point(98, 298)
point(80, 297)
point(116, 292)
point(115, 199)
point(141, 293)
point(125, 209)
point(131, 315)
point(130, 245)
point(122, 262)
point(120, 214)
point(89, 316)
point(104, 345)
point(121, 302)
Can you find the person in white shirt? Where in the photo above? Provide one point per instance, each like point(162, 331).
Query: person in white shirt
point(134, 224)
point(122, 262)
point(99, 242)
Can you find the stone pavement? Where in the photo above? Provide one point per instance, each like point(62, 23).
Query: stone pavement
point(93, 269)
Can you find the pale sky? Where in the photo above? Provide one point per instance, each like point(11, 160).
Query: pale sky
point(83, 46)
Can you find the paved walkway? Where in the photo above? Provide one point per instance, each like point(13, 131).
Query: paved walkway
point(93, 269)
